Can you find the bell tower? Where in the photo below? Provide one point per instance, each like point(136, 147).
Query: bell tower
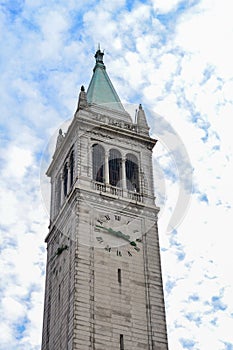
point(103, 278)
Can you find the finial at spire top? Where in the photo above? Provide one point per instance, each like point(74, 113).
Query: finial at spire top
point(99, 55)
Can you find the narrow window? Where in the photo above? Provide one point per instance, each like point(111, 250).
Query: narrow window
point(132, 176)
point(119, 275)
point(114, 167)
point(59, 293)
point(98, 163)
point(65, 178)
point(121, 342)
point(71, 168)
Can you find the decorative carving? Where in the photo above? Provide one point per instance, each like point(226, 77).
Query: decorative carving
point(60, 139)
point(100, 134)
point(82, 101)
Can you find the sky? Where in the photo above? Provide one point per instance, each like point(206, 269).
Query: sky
point(173, 56)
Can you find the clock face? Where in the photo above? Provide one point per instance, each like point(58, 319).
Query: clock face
point(116, 232)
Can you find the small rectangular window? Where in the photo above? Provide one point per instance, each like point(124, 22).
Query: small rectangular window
point(121, 342)
point(59, 293)
point(119, 276)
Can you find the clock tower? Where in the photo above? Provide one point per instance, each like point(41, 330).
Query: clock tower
point(103, 278)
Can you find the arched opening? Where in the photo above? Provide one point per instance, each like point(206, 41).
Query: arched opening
point(98, 159)
point(71, 168)
point(65, 179)
point(114, 167)
point(132, 175)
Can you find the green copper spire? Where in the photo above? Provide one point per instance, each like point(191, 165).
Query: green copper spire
point(101, 90)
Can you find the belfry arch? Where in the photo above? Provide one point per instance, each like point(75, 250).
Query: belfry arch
point(98, 160)
point(132, 173)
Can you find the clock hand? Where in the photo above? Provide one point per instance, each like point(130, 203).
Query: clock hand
point(115, 233)
point(118, 234)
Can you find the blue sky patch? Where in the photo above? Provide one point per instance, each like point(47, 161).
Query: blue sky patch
point(228, 346)
point(194, 317)
point(218, 304)
point(187, 343)
point(203, 198)
point(12, 8)
point(170, 285)
point(20, 328)
point(194, 297)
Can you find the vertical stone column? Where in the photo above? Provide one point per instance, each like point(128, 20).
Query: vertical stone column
point(52, 199)
point(123, 174)
point(106, 168)
point(57, 194)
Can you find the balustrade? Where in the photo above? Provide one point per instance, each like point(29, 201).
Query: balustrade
point(117, 191)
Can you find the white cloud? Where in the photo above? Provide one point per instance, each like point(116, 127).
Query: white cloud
point(53, 26)
point(12, 308)
point(6, 334)
point(164, 6)
point(18, 161)
point(206, 30)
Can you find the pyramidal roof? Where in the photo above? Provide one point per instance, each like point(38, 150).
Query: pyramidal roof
point(101, 90)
